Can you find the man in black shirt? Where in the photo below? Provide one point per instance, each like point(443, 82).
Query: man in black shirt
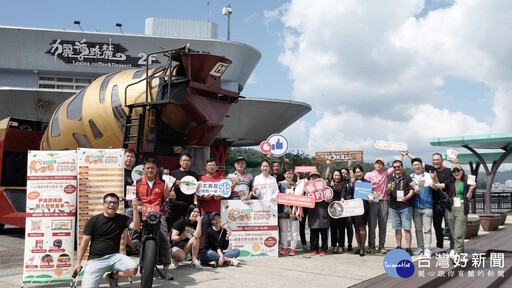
point(182, 201)
point(442, 173)
point(103, 233)
point(129, 160)
point(400, 193)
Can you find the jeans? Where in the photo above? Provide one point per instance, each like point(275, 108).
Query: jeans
point(423, 225)
point(209, 255)
point(95, 268)
point(401, 218)
point(378, 215)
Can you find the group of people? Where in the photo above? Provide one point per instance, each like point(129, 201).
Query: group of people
point(193, 231)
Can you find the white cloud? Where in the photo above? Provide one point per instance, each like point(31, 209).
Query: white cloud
point(370, 69)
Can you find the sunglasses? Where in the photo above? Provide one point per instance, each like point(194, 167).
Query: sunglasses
point(397, 167)
point(456, 170)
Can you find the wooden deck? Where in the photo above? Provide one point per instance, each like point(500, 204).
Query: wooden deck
point(498, 241)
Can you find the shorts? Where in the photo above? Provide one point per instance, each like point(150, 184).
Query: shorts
point(180, 244)
point(95, 268)
point(401, 218)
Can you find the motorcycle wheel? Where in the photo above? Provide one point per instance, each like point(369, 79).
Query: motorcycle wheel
point(148, 264)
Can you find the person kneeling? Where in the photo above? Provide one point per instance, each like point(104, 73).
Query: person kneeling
point(185, 234)
point(217, 241)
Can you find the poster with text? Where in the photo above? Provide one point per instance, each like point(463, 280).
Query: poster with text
point(100, 171)
point(254, 227)
point(50, 217)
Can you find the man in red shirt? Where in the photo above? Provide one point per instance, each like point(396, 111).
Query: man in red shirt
point(210, 203)
point(152, 191)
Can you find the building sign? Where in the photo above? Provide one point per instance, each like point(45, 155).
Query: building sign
point(338, 156)
point(105, 54)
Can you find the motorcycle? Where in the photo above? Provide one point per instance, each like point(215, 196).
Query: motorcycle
point(149, 247)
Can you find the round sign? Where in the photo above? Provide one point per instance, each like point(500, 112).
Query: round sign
point(265, 147)
point(335, 209)
point(188, 185)
point(137, 172)
point(279, 145)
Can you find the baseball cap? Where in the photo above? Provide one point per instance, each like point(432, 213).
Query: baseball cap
point(240, 158)
point(456, 166)
point(379, 159)
point(314, 173)
point(214, 214)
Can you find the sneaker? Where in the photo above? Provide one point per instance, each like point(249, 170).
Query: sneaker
point(358, 251)
point(382, 250)
point(188, 257)
point(212, 264)
point(292, 252)
point(174, 264)
point(196, 264)
point(437, 250)
point(418, 251)
point(349, 248)
point(234, 262)
point(112, 282)
point(323, 253)
point(314, 253)
point(370, 250)
point(427, 253)
point(305, 248)
point(409, 250)
point(167, 274)
point(283, 251)
point(398, 247)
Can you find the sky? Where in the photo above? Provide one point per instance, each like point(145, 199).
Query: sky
point(392, 70)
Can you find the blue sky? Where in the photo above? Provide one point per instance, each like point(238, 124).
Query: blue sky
point(393, 70)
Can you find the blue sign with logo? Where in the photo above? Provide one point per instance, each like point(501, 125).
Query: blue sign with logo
point(279, 145)
point(398, 264)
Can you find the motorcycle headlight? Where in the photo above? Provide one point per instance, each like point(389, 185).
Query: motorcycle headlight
point(152, 217)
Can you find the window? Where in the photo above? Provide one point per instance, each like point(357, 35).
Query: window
point(103, 87)
point(74, 111)
point(82, 141)
point(63, 83)
point(55, 130)
point(96, 132)
point(117, 108)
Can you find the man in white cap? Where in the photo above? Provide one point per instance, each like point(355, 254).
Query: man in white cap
point(379, 205)
point(241, 182)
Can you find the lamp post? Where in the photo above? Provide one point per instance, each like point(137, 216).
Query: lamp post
point(78, 23)
point(226, 11)
point(120, 25)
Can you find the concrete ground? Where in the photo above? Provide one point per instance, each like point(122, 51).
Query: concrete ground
point(297, 271)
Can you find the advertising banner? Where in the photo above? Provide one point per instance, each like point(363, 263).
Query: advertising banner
point(254, 227)
point(338, 156)
point(50, 217)
point(346, 208)
point(100, 171)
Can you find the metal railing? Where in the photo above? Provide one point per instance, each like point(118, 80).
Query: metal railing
point(500, 200)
